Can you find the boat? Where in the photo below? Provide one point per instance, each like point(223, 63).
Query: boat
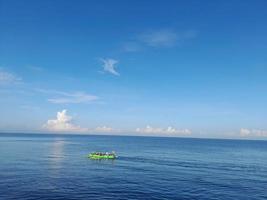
point(101, 155)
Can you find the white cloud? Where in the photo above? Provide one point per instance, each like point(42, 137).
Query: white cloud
point(165, 37)
point(244, 132)
point(169, 130)
point(252, 132)
point(63, 122)
point(109, 65)
point(103, 129)
point(7, 78)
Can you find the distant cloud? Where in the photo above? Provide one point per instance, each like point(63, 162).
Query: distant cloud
point(252, 133)
point(244, 132)
point(69, 97)
point(63, 123)
point(7, 78)
point(103, 129)
point(169, 130)
point(109, 65)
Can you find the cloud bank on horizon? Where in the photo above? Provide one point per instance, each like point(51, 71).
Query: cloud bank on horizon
point(244, 132)
point(64, 123)
point(169, 130)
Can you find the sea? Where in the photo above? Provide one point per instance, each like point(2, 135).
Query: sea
point(56, 167)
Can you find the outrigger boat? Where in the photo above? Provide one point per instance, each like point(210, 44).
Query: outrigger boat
point(100, 155)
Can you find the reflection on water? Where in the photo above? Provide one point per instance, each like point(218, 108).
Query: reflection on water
point(56, 156)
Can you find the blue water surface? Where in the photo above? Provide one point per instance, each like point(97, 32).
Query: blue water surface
point(35, 166)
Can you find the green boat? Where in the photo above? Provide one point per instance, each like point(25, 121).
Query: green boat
point(99, 155)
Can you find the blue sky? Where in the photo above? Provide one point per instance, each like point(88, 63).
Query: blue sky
point(174, 68)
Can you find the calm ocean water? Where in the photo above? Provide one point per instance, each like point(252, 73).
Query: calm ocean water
point(56, 167)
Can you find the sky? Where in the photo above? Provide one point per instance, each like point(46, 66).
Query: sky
point(162, 68)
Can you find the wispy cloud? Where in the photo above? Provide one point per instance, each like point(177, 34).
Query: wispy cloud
point(69, 97)
point(109, 65)
point(161, 38)
point(244, 132)
point(169, 130)
point(77, 97)
point(165, 38)
point(7, 78)
point(62, 123)
point(131, 47)
point(35, 68)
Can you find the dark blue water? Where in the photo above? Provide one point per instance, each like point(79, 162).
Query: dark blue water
point(56, 167)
